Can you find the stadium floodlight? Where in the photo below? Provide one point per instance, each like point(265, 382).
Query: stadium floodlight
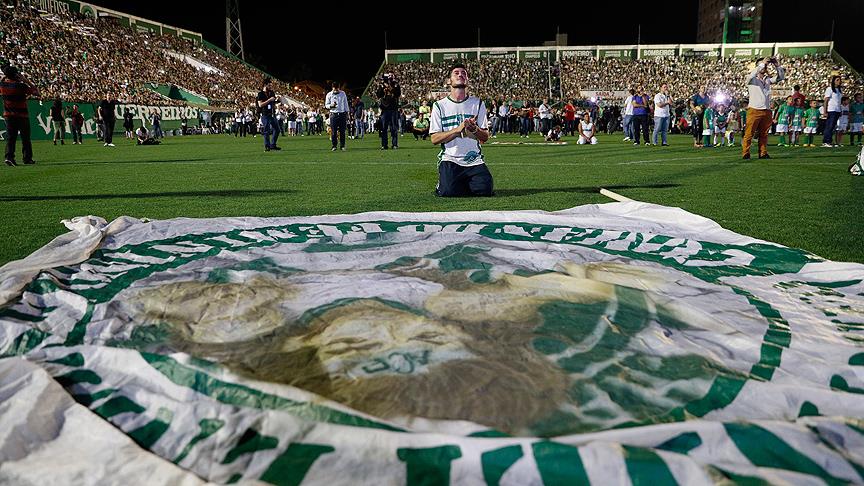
point(720, 98)
point(233, 30)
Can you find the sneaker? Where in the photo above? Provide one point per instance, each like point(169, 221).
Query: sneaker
point(665, 145)
point(827, 145)
point(104, 144)
point(766, 156)
point(110, 145)
point(10, 163)
point(62, 142)
point(746, 157)
point(275, 148)
point(395, 147)
point(55, 142)
point(383, 148)
point(333, 149)
point(626, 139)
point(343, 149)
point(635, 143)
point(266, 149)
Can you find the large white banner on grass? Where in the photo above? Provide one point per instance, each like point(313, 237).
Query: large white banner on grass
point(605, 344)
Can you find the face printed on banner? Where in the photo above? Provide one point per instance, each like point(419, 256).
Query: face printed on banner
point(506, 352)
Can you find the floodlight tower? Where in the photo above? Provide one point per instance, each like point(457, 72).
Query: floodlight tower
point(233, 31)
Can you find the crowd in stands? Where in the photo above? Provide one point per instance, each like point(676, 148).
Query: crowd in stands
point(490, 78)
point(688, 75)
point(78, 59)
point(508, 79)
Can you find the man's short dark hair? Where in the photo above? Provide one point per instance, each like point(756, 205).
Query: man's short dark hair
point(797, 87)
point(457, 66)
point(267, 81)
point(10, 71)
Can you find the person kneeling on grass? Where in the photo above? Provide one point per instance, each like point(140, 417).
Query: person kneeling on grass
point(420, 127)
point(459, 126)
point(554, 134)
point(143, 137)
point(587, 131)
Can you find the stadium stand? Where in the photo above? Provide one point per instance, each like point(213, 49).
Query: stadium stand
point(519, 80)
point(75, 58)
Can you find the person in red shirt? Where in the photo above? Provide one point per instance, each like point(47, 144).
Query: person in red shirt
point(14, 89)
point(796, 95)
point(570, 118)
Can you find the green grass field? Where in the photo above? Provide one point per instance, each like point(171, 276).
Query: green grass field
point(802, 197)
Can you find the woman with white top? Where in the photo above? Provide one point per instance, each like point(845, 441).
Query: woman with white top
point(833, 95)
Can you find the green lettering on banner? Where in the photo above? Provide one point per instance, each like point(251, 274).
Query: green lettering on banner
point(765, 449)
point(149, 433)
point(208, 428)
point(116, 406)
point(73, 360)
point(646, 468)
point(496, 463)
point(808, 410)
point(840, 383)
point(87, 399)
point(682, 444)
point(251, 441)
point(78, 376)
point(430, 466)
point(25, 342)
point(291, 466)
point(857, 360)
point(559, 464)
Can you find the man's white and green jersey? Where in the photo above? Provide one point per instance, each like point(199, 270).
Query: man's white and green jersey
point(447, 115)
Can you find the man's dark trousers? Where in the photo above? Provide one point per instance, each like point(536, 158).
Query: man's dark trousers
point(14, 126)
point(337, 123)
point(389, 121)
point(109, 129)
point(455, 180)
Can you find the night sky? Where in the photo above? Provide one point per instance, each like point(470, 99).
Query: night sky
point(350, 47)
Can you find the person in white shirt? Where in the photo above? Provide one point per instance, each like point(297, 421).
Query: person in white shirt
point(459, 126)
point(662, 104)
point(833, 95)
point(587, 131)
point(337, 102)
point(759, 115)
point(628, 115)
point(545, 116)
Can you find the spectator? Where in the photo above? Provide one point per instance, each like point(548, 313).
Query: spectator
point(833, 95)
point(76, 124)
point(58, 121)
point(15, 88)
point(661, 114)
point(587, 131)
point(108, 116)
point(640, 116)
point(143, 138)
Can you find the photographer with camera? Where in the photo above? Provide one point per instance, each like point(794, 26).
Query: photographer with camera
point(267, 104)
point(388, 94)
point(759, 116)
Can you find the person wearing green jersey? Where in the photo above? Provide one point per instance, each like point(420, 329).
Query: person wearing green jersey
point(782, 121)
point(721, 119)
point(707, 126)
point(796, 125)
point(811, 122)
point(856, 111)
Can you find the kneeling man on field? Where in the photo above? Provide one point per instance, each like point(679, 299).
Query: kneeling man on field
point(459, 125)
